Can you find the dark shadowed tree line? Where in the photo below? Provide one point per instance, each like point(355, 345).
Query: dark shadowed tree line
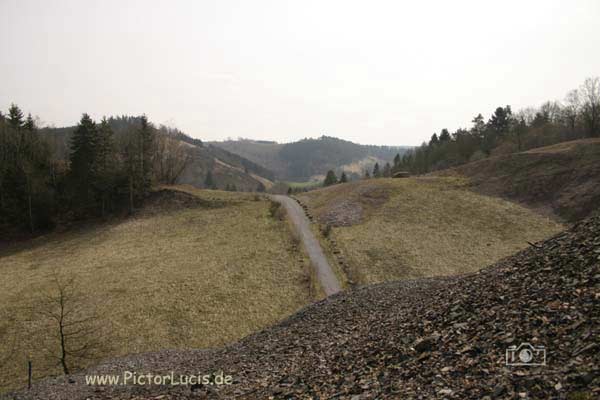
point(102, 168)
point(578, 116)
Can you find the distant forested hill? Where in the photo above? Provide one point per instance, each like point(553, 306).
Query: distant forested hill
point(301, 160)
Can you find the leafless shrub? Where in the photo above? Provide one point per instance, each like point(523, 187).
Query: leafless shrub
point(76, 333)
point(171, 158)
point(326, 230)
point(276, 211)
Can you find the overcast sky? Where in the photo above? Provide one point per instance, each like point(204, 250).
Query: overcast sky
point(375, 72)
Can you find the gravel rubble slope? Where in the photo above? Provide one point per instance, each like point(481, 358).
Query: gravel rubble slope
point(420, 339)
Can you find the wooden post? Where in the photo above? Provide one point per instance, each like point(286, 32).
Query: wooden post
point(28, 374)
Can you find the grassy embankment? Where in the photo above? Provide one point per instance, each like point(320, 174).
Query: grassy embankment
point(172, 276)
point(389, 229)
point(560, 180)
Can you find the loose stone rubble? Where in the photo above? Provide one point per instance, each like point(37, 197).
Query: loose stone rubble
point(419, 339)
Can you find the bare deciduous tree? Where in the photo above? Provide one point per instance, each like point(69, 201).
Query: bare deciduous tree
point(76, 329)
point(552, 111)
point(172, 157)
point(590, 109)
point(572, 108)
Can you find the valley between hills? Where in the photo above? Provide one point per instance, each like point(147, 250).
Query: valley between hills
point(204, 269)
point(299, 200)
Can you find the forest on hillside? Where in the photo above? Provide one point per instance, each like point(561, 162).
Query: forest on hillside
point(94, 169)
point(309, 157)
point(300, 160)
point(505, 131)
point(53, 175)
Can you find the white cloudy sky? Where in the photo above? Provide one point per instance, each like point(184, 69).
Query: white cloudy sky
point(381, 72)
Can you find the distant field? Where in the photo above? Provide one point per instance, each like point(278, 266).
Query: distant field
point(304, 185)
point(389, 229)
point(170, 277)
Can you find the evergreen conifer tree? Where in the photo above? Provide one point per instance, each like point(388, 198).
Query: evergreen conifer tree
point(376, 171)
point(209, 181)
point(82, 159)
point(330, 178)
point(15, 117)
point(387, 170)
point(397, 161)
point(104, 166)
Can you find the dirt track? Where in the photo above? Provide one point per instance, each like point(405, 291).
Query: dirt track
point(325, 275)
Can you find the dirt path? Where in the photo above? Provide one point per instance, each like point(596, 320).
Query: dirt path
point(325, 275)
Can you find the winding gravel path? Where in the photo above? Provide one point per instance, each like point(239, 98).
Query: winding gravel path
point(325, 275)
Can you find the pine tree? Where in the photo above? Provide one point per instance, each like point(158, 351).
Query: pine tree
point(138, 153)
point(478, 126)
point(209, 182)
point(15, 117)
point(82, 159)
point(397, 161)
point(387, 170)
point(343, 178)
point(434, 140)
point(444, 135)
point(129, 154)
point(146, 142)
point(28, 166)
point(29, 124)
point(28, 169)
point(330, 179)
point(376, 171)
point(104, 166)
point(500, 120)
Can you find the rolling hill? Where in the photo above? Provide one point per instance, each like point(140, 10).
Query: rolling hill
point(193, 269)
point(302, 160)
point(226, 168)
point(562, 179)
point(389, 229)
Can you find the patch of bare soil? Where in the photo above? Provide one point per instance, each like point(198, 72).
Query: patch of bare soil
point(351, 210)
point(172, 200)
point(345, 213)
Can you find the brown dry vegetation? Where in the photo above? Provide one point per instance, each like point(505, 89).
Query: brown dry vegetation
point(418, 227)
point(184, 273)
point(562, 179)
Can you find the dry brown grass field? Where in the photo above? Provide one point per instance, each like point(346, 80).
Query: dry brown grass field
point(170, 277)
point(389, 229)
